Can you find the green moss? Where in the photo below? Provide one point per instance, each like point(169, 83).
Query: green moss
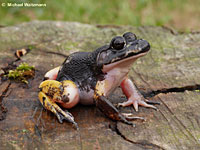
point(21, 73)
point(31, 47)
point(24, 67)
point(24, 131)
point(13, 142)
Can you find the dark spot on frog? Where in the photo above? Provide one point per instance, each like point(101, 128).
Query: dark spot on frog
point(65, 98)
point(43, 98)
point(52, 91)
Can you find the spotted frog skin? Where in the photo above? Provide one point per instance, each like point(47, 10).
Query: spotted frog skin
point(90, 77)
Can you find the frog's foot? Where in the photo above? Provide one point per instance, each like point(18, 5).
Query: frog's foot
point(52, 91)
point(106, 106)
point(134, 97)
point(136, 103)
point(110, 110)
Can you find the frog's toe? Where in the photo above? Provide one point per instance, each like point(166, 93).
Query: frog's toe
point(65, 115)
point(152, 102)
point(144, 104)
point(130, 117)
point(124, 104)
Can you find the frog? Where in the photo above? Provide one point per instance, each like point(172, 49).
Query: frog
point(89, 78)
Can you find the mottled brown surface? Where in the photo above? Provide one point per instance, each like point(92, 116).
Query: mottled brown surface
point(173, 63)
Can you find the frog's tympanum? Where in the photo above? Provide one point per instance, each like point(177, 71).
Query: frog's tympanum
point(90, 77)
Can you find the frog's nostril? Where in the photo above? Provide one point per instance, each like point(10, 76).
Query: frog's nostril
point(129, 37)
point(144, 45)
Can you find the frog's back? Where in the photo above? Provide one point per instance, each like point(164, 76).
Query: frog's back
point(77, 68)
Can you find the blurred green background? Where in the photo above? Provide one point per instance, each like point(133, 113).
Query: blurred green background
point(183, 15)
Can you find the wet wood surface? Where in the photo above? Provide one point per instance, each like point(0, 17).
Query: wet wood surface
point(169, 74)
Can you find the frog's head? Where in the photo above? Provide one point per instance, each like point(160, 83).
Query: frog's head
point(122, 51)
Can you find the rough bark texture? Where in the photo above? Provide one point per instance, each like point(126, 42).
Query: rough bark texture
point(169, 74)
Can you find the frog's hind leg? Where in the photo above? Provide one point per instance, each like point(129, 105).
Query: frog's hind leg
point(52, 74)
point(52, 91)
point(106, 106)
point(110, 110)
point(54, 108)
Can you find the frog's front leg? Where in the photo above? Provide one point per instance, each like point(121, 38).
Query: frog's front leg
point(105, 105)
point(52, 74)
point(134, 97)
point(65, 93)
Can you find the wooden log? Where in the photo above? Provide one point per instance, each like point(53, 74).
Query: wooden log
point(169, 74)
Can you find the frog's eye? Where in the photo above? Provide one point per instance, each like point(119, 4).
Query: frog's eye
point(129, 37)
point(118, 43)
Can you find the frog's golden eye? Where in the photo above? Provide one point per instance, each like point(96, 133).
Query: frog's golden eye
point(129, 37)
point(118, 43)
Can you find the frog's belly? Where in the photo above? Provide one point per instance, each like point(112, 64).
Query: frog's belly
point(86, 97)
point(112, 80)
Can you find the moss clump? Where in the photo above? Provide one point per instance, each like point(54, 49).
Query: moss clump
point(22, 73)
